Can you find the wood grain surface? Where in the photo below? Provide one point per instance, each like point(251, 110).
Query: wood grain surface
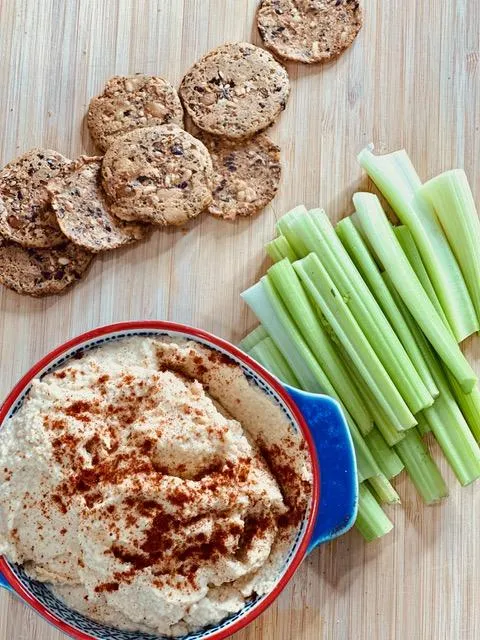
point(411, 79)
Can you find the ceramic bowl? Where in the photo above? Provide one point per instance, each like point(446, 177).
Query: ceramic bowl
point(331, 512)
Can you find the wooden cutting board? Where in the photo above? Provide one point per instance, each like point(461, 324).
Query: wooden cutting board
point(412, 79)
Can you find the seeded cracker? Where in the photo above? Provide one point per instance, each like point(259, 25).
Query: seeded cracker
point(130, 102)
point(246, 174)
point(309, 30)
point(235, 90)
point(160, 175)
point(83, 211)
point(41, 272)
point(26, 216)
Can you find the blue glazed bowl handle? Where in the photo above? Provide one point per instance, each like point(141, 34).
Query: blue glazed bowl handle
point(338, 470)
point(3, 583)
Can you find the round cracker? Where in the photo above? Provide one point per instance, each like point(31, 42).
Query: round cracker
point(83, 211)
point(235, 90)
point(246, 174)
point(41, 272)
point(309, 30)
point(160, 175)
point(26, 216)
point(131, 102)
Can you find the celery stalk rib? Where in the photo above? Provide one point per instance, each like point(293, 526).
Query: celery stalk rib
point(358, 250)
point(383, 490)
point(280, 248)
point(397, 179)
point(387, 247)
point(421, 468)
point(372, 522)
point(452, 199)
point(289, 287)
point(253, 338)
point(269, 356)
point(315, 232)
point(386, 457)
point(469, 404)
point(445, 418)
point(269, 309)
point(381, 420)
point(322, 290)
point(423, 424)
point(409, 247)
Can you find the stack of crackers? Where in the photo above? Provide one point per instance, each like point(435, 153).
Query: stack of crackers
point(56, 214)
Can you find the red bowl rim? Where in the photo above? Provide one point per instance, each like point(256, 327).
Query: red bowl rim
point(160, 325)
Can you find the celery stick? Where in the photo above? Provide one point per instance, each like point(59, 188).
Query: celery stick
point(445, 418)
point(315, 231)
point(322, 290)
point(356, 247)
point(385, 456)
point(423, 424)
point(266, 353)
point(421, 468)
point(356, 223)
point(409, 247)
point(283, 227)
point(252, 338)
point(289, 287)
point(372, 522)
point(367, 466)
point(384, 491)
point(455, 438)
point(451, 197)
point(469, 404)
point(387, 247)
point(267, 306)
point(397, 179)
point(383, 424)
point(269, 309)
point(280, 248)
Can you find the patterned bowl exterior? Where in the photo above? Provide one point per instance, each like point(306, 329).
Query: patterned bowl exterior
point(39, 596)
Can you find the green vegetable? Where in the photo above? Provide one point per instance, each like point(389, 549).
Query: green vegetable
point(358, 251)
point(266, 353)
point(280, 248)
point(284, 225)
point(367, 466)
point(409, 247)
point(383, 490)
point(253, 338)
point(469, 404)
point(315, 232)
point(452, 199)
point(269, 309)
point(372, 522)
point(421, 468)
point(289, 288)
point(423, 424)
point(444, 417)
point(386, 457)
point(397, 179)
point(324, 293)
point(381, 420)
point(376, 226)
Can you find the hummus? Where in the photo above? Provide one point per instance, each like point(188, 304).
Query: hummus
point(151, 485)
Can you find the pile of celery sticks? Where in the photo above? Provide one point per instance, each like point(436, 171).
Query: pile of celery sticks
point(372, 315)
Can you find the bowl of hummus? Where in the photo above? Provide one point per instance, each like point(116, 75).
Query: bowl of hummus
point(156, 482)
